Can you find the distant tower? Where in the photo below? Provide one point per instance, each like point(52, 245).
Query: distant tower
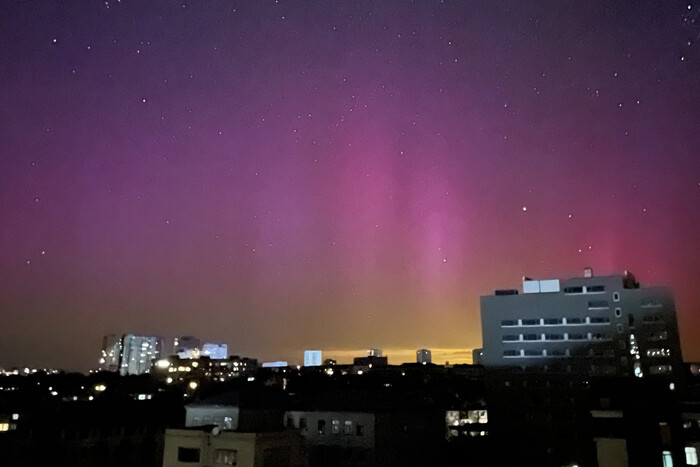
point(423, 356)
point(312, 358)
point(138, 353)
point(215, 351)
point(111, 351)
point(187, 347)
point(374, 353)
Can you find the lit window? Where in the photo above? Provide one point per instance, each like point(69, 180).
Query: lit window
point(668, 459)
point(691, 455)
point(225, 456)
point(335, 427)
point(188, 455)
point(347, 427)
point(4, 427)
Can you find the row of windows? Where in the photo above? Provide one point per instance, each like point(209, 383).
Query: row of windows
point(520, 353)
point(193, 455)
point(584, 289)
point(347, 426)
point(569, 336)
point(507, 323)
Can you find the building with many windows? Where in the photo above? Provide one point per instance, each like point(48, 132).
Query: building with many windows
point(138, 353)
point(588, 325)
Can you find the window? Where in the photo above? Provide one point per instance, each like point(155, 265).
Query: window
point(511, 338)
point(616, 296)
point(668, 459)
point(531, 322)
point(599, 320)
point(228, 423)
point(618, 312)
point(188, 455)
point(347, 427)
point(225, 456)
point(595, 288)
point(359, 430)
point(4, 427)
point(302, 422)
point(511, 353)
point(573, 289)
point(598, 305)
point(533, 353)
point(531, 337)
point(659, 369)
point(551, 321)
point(335, 427)
point(509, 322)
point(554, 337)
point(321, 427)
point(577, 337)
point(573, 321)
point(658, 336)
point(691, 455)
point(653, 319)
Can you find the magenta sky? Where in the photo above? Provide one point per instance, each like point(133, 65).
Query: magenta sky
point(339, 175)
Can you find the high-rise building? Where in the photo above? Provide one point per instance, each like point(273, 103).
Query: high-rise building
point(138, 353)
point(187, 347)
point(312, 358)
point(111, 352)
point(423, 356)
point(589, 325)
point(215, 351)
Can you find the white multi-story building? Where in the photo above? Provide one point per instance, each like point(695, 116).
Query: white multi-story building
point(313, 358)
point(138, 353)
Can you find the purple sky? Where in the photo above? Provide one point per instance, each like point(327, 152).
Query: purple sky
point(336, 175)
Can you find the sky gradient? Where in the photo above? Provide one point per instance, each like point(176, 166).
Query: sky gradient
point(284, 175)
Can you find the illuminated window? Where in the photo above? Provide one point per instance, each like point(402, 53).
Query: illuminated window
point(347, 427)
point(668, 459)
point(335, 427)
point(225, 456)
point(188, 455)
point(4, 427)
point(691, 455)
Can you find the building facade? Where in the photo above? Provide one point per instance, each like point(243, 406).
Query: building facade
point(138, 353)
point(589, 325)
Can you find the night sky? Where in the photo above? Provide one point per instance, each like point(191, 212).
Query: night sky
point(284, 175)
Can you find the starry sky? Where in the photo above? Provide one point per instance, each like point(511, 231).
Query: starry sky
point(284, 175)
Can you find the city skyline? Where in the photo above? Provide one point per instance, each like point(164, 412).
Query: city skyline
point(283, 175)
